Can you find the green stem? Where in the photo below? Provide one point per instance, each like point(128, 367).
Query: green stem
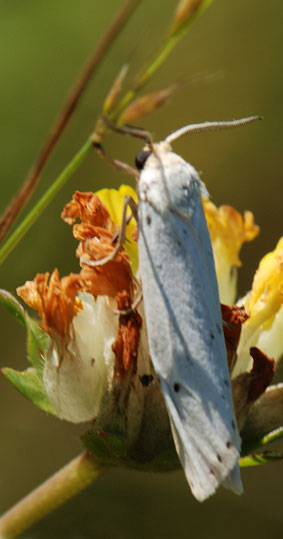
point(107, 40)
point(78, 474)
point(38, 209)
point(162, 55)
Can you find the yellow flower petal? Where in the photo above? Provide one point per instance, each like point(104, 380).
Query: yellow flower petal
point(264, 303)
point(228, 231)
point(114, 202)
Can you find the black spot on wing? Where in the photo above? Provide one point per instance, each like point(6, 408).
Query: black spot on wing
point(233, 424)
point(228, 444)
point(148, 219)
point(176, 387)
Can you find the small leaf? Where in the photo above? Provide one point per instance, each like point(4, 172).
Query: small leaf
point(272, 436)
point(37, 340)
point(30, 386)
point(253, 443)
point(260, 458)
point(13, 306)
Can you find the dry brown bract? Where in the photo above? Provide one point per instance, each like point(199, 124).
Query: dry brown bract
point(234, 317)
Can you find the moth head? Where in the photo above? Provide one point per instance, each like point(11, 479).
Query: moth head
point(141, 158)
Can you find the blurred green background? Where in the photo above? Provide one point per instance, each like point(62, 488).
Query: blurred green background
point(235, 53)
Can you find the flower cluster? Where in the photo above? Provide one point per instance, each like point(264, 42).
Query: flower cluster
point(98, 367)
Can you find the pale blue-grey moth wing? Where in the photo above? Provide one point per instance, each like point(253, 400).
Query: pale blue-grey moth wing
point(184, 322)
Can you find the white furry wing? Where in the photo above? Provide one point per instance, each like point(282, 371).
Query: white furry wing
point(184, 323)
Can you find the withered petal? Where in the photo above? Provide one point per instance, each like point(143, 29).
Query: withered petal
point(89, 209)
point(234, 316)
point(125, 347)
point(54, 299)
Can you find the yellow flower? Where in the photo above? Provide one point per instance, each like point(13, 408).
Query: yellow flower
point(114, 202)
point(228, 231)
point(98, 365)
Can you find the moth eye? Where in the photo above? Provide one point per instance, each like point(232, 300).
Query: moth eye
point(141, 158)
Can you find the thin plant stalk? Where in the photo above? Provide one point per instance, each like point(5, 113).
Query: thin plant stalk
point(38, 209)
point(78, 474)
point(162, 54)
point(20, 199)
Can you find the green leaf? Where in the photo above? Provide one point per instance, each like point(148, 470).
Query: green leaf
point(37, 345)
point(272, 436)
point(37, 340)
point(30, 386)
point(253, 444)
point(13, 306)
point(258, 459)
point(29, 383)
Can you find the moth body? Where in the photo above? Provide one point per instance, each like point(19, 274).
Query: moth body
point(184, 324)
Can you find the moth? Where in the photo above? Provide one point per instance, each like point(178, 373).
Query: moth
point(183, 316)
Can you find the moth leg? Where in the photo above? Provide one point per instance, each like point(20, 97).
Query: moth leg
point(182, 214)
point(134, 305)
point(120, 240)
point(120, 165)
point(132, 131)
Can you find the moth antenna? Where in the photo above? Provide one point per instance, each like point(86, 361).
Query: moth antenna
point(209, 126)
point(132, 131)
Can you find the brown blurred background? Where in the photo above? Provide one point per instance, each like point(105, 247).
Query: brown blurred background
point(235, 53)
